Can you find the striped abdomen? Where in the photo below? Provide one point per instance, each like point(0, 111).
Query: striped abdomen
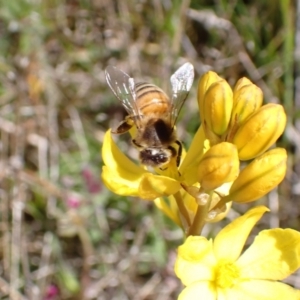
point(151, 100)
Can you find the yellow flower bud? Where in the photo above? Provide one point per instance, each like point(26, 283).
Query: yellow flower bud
point(220, 164)
point(206, 81)
point(246, 100)
point(240, 83)
point(259, 177)
point(260, 131)
point(218, 103)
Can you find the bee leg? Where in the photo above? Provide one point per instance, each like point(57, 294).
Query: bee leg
point(135, 143)
point(179, 152)
point(124, 126)
point(176, 153)
point(173, 152)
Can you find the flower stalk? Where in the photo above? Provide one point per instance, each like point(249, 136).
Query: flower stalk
point(182, 210)
point(200, 216)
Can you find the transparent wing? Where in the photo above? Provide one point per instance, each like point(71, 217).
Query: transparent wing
point(123, 87)
point(181, 83)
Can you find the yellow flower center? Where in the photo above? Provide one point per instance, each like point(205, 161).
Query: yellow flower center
point(227, 274)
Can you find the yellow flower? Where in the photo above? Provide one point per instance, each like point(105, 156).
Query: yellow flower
point(216, 270)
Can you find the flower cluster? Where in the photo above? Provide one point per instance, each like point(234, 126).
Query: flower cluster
point(238, 117)
point(235, 127)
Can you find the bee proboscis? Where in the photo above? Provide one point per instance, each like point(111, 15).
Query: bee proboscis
point(152, 112)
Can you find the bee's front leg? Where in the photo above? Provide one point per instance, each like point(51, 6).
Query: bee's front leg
point(124, 126)
point(179, 153)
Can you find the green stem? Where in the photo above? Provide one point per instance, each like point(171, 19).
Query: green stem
point(222, 202)
point(182, 209)
point(199, 219)
point(288, 57)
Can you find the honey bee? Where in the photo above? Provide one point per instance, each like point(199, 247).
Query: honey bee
point(153, 113)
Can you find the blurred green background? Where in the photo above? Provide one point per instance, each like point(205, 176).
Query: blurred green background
point(63, 235)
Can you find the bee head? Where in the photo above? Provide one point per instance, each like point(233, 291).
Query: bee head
point(155, 157)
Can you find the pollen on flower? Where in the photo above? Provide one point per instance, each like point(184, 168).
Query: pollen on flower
point(227, 274)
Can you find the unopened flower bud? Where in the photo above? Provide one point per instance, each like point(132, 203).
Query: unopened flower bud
point(206, 81)
point(240, 83)
point(246, 100)
point(218, 103)
point(220, 164)
point(260, 131)
point(259, 177)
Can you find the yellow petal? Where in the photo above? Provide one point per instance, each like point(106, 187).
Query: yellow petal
point(199, 290)
point(154, 186)
point(230, 241)
point(195, 260)
point(115, 159)
point(171, 210)
point(189, 166)
point(274, 255)
point(190, 203)
point(218, 103)
point(120, 174)
point(260, 131)
point(189, 272)
point(118, 184)
point(195, 248)
point(204, 83)
point(259, 177)
point(123, 177)
point(262, 290)
point(220, 164)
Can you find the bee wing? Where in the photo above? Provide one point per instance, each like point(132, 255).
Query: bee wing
point(123, 86)
point(181, 82)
